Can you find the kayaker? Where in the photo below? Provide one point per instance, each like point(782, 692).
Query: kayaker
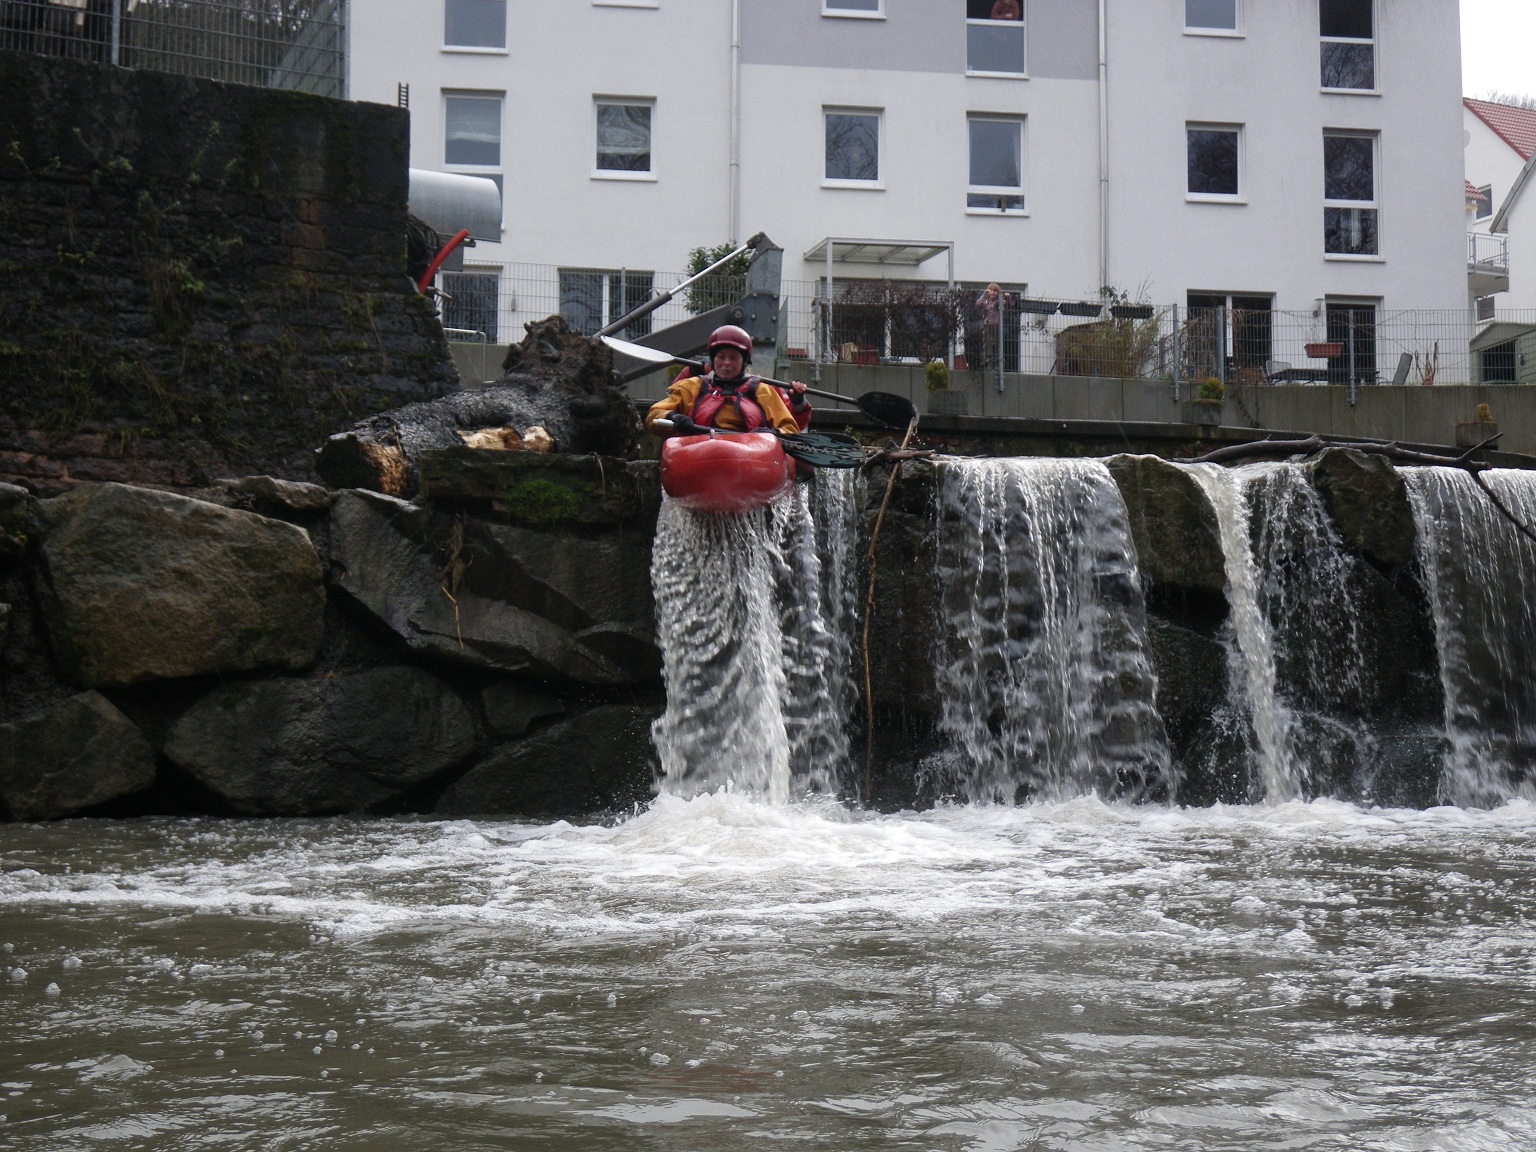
point(727, 398)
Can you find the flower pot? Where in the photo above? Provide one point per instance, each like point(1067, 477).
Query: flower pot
point(1206, 412)
point(949, 402)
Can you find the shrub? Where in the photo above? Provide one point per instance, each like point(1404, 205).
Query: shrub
point(1212, 389)
point(936, 375)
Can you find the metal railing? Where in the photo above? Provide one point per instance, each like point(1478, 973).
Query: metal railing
point(292, 44)
point(895, 322)
point(1485, 250)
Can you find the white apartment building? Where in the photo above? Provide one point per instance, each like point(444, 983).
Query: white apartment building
point(1297, 155)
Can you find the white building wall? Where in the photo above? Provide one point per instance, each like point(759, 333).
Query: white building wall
point(1489, 160)
point(912, 66)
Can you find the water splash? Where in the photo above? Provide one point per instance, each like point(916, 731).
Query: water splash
point(1045, 685)
point(754, 615)
point(1480, 576)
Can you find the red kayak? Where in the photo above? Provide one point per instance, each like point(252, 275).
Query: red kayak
point(726, 472)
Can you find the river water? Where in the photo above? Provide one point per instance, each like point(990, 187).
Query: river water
point(722, 973)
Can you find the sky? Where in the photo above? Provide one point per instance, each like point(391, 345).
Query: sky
point(1498, 47)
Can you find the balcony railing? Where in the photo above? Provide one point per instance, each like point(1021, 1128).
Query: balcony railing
point(1487, 252)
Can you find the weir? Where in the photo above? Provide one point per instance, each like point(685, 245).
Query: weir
point(1337, 668)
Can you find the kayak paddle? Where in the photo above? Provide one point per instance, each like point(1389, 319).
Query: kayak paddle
point(884, 408)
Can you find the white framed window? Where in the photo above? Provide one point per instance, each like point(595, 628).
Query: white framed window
point(1211, 17)
point(472, 129)
point(479, 25)
point(1348, 32)
point(623, 135)
point(626, 3)
point(1350, 224)
point(996, 184)
point(592, 298)
point(1484, 203)
point(1215, 162)
point(853, 147)
point(858, 9)
point(995, 38)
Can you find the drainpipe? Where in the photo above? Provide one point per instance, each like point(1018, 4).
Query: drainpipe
point(1103, 145)
point(735, 120)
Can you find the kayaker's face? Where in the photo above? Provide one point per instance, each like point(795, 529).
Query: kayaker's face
point(728, 363)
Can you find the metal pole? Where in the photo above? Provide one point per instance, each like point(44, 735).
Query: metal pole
point(1178, 357)
point(117, 30)
point(657, 301)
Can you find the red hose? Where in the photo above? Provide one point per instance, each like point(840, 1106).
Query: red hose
point(437, 261)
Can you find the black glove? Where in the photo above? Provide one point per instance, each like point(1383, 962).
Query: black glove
point(683, 424)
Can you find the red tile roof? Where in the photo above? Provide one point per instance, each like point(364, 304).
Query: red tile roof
point(1474, 192)
point(1515, 126)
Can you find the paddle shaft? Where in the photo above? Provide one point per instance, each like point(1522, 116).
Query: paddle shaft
point(703, 366)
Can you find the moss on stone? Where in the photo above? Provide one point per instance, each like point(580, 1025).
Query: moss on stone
point(543, 502)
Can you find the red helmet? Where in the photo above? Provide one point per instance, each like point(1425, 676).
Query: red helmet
point(730, 336)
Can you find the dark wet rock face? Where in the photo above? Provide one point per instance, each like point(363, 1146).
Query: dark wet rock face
point(16, 515)
point(497, 596)
point(601, 759)
point(74, 756)
point(1368, 501)
point(312, 747)
point(1178, 542)
point(512, 708)
point(143, 585)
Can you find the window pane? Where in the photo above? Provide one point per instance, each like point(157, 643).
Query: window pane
point(853, 5)
point(994, 202)
point(626, 292)
point(471, 302)
point(475, 23)
point(624, 137)
point(1349, 18)
point(1349, 168)
point(581, 300)
point(994, 9)
point(1350, 231)
point(1212, 162)
point(473, 131)
point(996, 154)
point(853, 146)
point(994, 48)
point(1485, 202)
point(1349, 65)
point(1210, 14)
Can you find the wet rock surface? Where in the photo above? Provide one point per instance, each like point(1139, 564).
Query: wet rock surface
point(600, 759)
point(1178, 543)
point(312, 747)
point(16, 517)
point(76, 755)
point(144, 585)
point(1368, 501)
point(512, 708)
point(496, 596)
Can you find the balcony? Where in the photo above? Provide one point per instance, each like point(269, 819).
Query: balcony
point(1487, 263)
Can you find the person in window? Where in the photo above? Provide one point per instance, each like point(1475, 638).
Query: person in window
point(1007, 10)
point(727, 398)
point(990, 305)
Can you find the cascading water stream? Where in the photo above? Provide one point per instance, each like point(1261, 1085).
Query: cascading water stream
point(753, 616)
point(1044, 682)
point(1297, 657)
point(1480, 576)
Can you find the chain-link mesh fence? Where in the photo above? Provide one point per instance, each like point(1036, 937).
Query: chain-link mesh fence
point(293, 44)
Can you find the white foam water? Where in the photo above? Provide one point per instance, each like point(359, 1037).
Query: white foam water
point(1042, 671)
point(721, 973)
point(1479, 572)
point(754, 613)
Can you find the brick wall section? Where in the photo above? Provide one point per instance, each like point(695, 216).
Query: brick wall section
point(197, 279)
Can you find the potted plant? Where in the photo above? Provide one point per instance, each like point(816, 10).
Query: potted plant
point(942, 399)
point(1205, 408)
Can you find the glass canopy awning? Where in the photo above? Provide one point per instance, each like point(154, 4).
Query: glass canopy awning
point(850, 250)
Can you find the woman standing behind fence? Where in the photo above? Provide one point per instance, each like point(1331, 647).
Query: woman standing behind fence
point(990, 304)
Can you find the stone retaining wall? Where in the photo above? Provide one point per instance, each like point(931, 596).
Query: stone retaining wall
point(197, 279)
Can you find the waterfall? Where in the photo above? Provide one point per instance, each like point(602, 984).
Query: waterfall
point(1045, 686)
point(1480, 576)
point(1297, 646)
point(754, 614)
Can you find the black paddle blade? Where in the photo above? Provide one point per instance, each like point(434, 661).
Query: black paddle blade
point(824, 449)
point(887, 408)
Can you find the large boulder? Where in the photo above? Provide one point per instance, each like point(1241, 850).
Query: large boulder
point(311, 747)
point(145, 585)
point(76, 755)
point(1178, 541)
point(1368, 501)
point(550, 604)
point(600, 759)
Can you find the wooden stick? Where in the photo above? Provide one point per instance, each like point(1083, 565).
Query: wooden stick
point(869, 610)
